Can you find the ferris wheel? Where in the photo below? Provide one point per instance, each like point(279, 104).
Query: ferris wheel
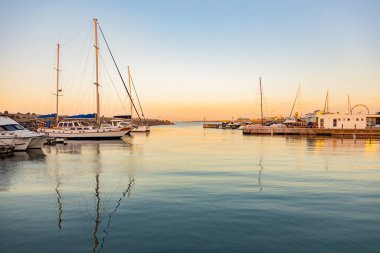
point(361, 108)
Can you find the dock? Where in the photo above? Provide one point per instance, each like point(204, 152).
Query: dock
point(314, 131)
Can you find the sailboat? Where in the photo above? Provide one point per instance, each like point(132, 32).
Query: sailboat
point(293, 120)
point(126, 120)
point(139, 128)
point(73, 128)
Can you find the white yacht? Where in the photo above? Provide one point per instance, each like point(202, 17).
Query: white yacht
point(77, 130)
point(74, 129)
point(12, 133)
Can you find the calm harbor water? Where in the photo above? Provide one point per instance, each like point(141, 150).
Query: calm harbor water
point(187, 189)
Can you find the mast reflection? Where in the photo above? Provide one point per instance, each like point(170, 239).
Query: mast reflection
point(261, 166)
point(259, 179)
point(97, 219)
point(59, 202)
point(127, 192)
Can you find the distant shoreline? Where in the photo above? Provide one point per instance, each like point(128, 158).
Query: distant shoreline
point(30, 120)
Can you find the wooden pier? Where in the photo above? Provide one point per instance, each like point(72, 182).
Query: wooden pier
point(375, 132)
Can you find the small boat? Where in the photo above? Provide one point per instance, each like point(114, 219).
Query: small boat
point(118, 123)
point(143, 128)
point(54, 141)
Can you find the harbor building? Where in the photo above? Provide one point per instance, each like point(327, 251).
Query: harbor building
point(348, 121)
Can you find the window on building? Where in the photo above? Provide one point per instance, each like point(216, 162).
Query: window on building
point(338, 119)
point(334, 122)
point(357, 119)
point(322, 123)
point(362, 119)
point(348, 119)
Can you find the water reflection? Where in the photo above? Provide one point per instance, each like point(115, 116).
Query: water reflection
point(315, 142)
point(59, 202)
point(259, 178)
point(9, 165)
point(94, 155)
point(261, 165)
point(127, 192)
point(97, 219)
point(199, 186)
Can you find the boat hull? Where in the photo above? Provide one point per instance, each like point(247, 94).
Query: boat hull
point(20, 143)
point(37, 142)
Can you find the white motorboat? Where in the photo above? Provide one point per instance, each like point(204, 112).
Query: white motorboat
point(13, 131)
point(19, 143)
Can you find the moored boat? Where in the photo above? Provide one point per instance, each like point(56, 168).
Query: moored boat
point(76, 130)
point(10, 131)
point(73, 128)
point(19, 143)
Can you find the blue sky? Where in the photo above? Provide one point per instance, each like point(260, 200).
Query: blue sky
point(192, 59)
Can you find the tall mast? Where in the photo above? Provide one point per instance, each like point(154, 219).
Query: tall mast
point(261, 103)
point(97, 72)
point(327, 99)
point(130, 89)
point(57, 92)
point(349, 105)
point(326, 109)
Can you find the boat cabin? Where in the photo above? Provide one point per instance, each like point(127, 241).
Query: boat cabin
point(8, 124)
point(73, 125)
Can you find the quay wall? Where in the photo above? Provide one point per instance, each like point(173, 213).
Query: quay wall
point(375, 132)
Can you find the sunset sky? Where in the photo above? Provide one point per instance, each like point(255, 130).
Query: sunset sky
point(192, 59)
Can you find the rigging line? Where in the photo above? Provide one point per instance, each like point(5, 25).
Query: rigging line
point(77, 35)
point(80, 55)
point(121, 77)
point(138, 100)
point(75, 102)
point(113, 84)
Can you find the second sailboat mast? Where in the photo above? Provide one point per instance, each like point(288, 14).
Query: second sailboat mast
point(97, 72)
point(130, 89)
point(57, 93)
